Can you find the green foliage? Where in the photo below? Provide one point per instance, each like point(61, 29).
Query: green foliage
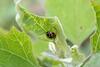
point(96, 5)
point(29, 46)
point(39, 26)
point(16, 50)
point(77, 17)
point(95, 40)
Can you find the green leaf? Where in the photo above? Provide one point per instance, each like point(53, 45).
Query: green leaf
point(96, 38)
point(39, 26)
point(77, 17)
point(96, 4)
point(16, 50)
point(94, 61)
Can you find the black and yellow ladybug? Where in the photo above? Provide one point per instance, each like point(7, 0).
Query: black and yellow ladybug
point(51, 35)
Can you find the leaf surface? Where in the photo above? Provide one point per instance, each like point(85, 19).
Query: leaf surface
point(16, 50)
point(77, 17)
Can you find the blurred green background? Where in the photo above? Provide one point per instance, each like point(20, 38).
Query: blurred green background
point(8, 11)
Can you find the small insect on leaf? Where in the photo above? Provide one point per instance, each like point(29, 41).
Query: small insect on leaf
point(51, 35)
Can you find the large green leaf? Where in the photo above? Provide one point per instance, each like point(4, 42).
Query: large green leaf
point(16, 50)
point(39, 26)
point(77, 17)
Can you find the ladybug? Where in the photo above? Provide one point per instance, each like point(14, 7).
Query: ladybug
point(51, 35)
